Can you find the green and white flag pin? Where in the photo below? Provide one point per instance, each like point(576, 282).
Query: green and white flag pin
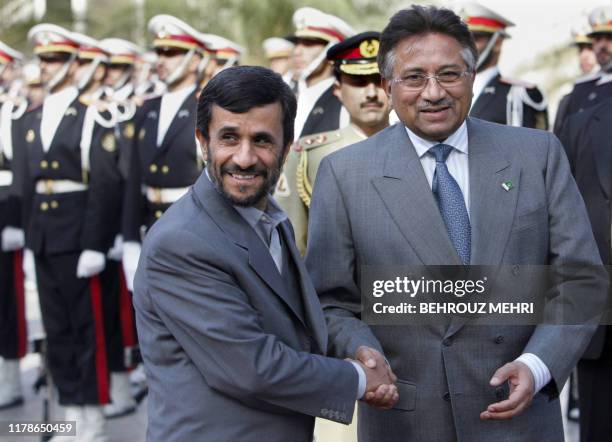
point(507, 185)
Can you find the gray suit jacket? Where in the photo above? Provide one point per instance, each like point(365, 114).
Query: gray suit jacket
point(372, 205)
point(227, 356)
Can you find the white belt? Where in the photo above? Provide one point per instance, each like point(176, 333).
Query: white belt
point(6, 177)
point(59, 186)
point(166, 195)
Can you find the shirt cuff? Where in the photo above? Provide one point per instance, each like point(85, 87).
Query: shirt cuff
point(539, 370)
point(362, 379)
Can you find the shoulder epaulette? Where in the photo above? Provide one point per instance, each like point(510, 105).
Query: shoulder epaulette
point(316, 140)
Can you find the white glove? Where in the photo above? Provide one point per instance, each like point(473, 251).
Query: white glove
point(131, 254)
point(12, 239)
point(29, 270)
point(116, 251)
point(90, 263)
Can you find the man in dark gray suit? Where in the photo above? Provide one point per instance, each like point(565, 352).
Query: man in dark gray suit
point(439, 188)
point(232, 333)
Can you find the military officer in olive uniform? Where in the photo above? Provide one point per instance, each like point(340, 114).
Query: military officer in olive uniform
point(498, 98)
point(164, 159)
point(358, 87)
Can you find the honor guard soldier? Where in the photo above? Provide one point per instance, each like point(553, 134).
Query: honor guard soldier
point(595, 89)
point(12, 298)
point(164, 158)
point(221, 53)
point(68, 211)
point(278, 51)
point(358, 87)
point(496, 98)
point(589, 70)
point(318, 108)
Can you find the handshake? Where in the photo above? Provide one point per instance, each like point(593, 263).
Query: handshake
point(380, 391)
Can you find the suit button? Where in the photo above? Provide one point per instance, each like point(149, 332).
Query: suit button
point(447, 342)
point(446, 396)
point(515, 270)
point(158, 214)
point(55, 165)
point(44, 206)
point(153, 168)
point(54, 204)
point(44, 164)
point(165, 169)
point(499, 339)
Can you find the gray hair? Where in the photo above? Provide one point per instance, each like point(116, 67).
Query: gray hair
point(420, 20)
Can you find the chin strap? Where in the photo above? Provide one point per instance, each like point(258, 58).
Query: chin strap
point(314, 64)
point(485, 55)
point(60, 75)
point(179, 71)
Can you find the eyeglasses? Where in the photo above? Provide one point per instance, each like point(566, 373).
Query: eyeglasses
point(418, 81)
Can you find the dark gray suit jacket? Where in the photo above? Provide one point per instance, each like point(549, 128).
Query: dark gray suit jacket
point(227, 356)
point(372, 206)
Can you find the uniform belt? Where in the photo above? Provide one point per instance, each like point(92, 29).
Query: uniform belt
point(50, 187)
point(6, 177)
point(167, 195)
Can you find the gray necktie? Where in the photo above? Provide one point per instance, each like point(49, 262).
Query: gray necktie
point(451, 203)
point(273, 240)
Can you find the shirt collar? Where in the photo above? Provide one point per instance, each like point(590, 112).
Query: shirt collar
point(458, 139)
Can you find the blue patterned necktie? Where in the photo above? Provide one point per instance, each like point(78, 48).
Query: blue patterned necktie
point(451, 203)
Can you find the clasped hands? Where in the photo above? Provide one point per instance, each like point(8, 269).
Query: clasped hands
point(380, 391)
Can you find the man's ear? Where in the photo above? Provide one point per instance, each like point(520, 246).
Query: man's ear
point(386, 84)
point(202, 143)
point(337, 91)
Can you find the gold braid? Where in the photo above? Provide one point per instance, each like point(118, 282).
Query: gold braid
point(304, 188)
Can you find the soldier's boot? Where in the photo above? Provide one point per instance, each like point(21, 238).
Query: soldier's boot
point(10, 384)
point(73, 414)
point(95, 425)
point(122, 402)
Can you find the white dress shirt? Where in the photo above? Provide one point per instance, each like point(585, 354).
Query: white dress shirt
point(170, 104)
point(54, 109)
point(458, 166)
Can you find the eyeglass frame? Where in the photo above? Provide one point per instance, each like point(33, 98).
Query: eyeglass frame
point(426, 77)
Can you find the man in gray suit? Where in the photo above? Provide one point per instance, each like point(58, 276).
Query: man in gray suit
point(406, 197)
point(231, 331)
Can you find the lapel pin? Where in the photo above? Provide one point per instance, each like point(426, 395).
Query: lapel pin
point(507, 186)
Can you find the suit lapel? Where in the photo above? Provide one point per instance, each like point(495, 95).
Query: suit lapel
point(236, 227)
point(491, 206)
point(148, 142)
point(410, 202)
point(312, 307)
point(183, 117)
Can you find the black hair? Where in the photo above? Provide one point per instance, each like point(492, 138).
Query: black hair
point(239, 89)
point(419, 20)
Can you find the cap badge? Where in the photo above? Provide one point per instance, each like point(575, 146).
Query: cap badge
point(369, 48)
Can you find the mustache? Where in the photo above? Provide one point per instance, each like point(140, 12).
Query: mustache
point(374, 102)
point(252, 170)
point(430, 105)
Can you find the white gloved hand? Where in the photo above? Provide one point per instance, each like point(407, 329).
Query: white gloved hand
point(12, 239)
point(131, 254)
point(116, 251)
point(90, 263)
point(29, 270)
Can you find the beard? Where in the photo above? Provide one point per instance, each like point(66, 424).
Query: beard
point(270, 178)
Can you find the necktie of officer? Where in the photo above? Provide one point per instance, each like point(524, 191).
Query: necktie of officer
point(451, 203)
